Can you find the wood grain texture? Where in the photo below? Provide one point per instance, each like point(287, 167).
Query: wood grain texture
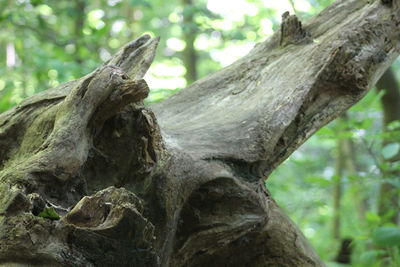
point(181, 183)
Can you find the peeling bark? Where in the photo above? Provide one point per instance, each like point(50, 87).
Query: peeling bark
point(183, 186)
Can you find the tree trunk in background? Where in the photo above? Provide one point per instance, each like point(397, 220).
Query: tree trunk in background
point(337, 187)
point(189, 55)
point(89, 176)
point(357, 183)
point(131, 23)
point(346, 165)
point(79, 11)
point(389, 196)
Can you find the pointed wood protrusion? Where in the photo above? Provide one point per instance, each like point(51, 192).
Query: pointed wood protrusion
point(292, 31)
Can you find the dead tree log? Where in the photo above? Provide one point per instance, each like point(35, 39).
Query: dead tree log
point(182, 183)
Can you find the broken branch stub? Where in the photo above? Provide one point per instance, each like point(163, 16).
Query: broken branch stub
point(292, 31)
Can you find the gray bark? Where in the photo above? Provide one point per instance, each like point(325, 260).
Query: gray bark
point(182, 183)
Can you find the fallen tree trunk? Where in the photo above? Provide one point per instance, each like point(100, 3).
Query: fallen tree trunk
point(91, 177)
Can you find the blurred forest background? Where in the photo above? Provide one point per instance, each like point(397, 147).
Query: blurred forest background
point(341, 187)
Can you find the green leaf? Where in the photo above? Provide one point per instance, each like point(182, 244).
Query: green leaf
point(138, 3)
point(390, 150)
point(371, 256)
point(321, 181)
point(326, 131)
point(49, 213)
point(372, 217)
point(395, 181)
point(394, 125)
point(387, 236)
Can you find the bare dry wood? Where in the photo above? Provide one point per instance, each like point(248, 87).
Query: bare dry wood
point(183, 186)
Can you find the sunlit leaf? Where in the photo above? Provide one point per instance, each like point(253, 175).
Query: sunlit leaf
point(372, 217)
point(394, 125)
point(390, 150)
point(321, 181)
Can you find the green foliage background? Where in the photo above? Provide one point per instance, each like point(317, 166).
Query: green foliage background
point(45, 43)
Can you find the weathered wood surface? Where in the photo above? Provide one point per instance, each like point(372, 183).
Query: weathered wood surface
point(183, 186)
